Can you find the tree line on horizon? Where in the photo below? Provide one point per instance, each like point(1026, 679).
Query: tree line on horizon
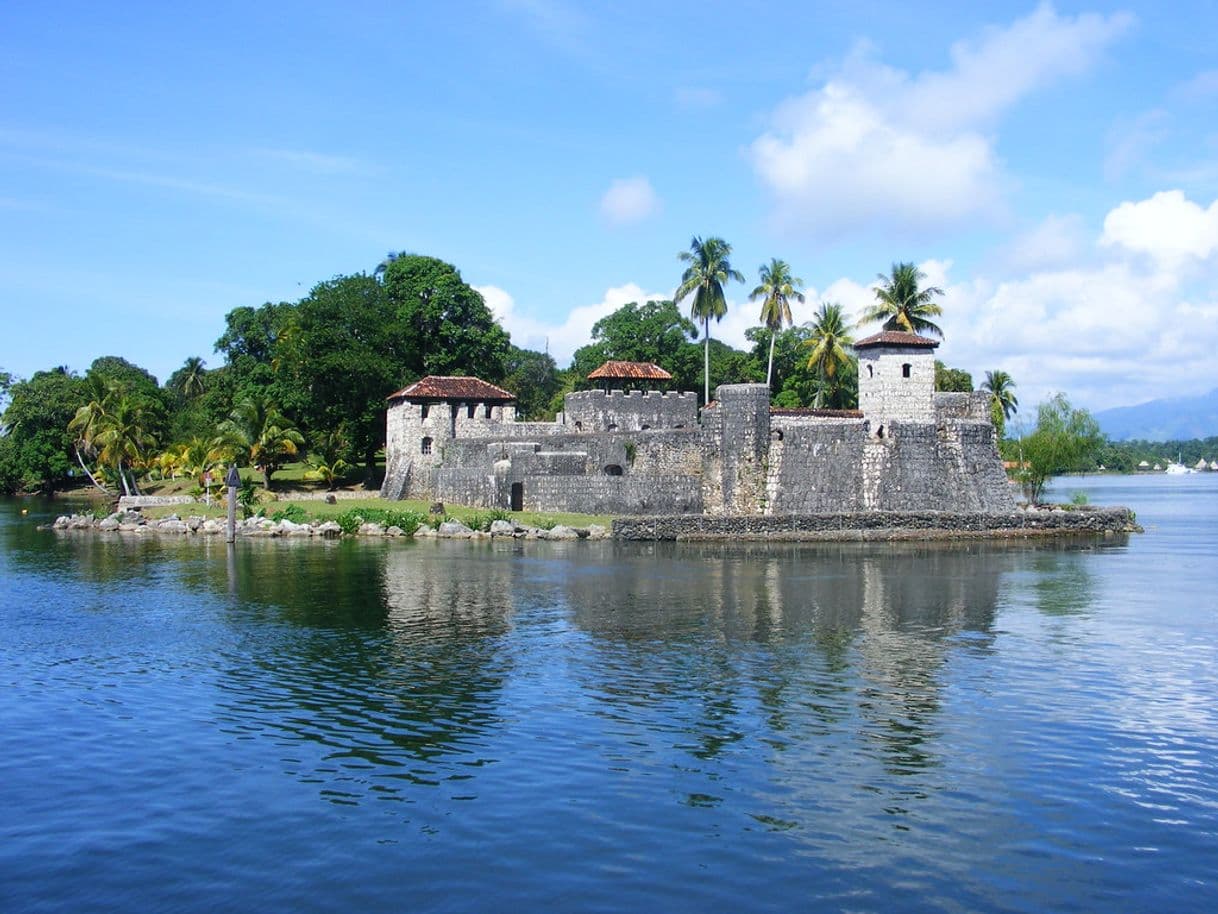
point(310, 378)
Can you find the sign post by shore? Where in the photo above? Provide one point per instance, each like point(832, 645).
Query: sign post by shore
point(233, 481)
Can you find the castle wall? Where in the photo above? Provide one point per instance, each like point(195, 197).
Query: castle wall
point(735, 442)
point(816, 465)
point(739, 461)
point(974, 406)
point(629, 411)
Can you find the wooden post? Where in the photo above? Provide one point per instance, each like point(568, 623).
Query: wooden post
point(233, 480)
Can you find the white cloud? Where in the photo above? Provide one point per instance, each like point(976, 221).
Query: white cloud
point(1169, 227)
point(629, 200)
point(876, 146)
point(561, 340)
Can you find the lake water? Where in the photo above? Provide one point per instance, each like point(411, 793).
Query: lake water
point(439, 726)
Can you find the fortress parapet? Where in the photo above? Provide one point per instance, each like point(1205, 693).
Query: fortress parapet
point(629, 411)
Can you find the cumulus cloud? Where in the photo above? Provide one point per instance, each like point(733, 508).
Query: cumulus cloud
point(629, 200)
point(560, 339)
point(1168, 227)
point(1129, 327)
point(875, 145)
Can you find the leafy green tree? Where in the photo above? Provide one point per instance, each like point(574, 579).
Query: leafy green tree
point(902, 304)
point(829, 345)
point(653, 332)
point(708, 272)
point(262, 434)
point(252, 344)
point(1065, 439)
point(533, 378)
point(6, 381)
point(952, 380)
point(1003, 402)
point(345, 354)
point(776, 289)
point(447, 329)
point(40, 447)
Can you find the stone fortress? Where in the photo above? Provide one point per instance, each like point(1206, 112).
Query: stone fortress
point(652, 453)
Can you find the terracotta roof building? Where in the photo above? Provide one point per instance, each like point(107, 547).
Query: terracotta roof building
point(629, 371)
point(440, 388)
point(896, 338)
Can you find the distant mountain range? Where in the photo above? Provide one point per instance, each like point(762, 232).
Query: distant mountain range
point(1176, 419)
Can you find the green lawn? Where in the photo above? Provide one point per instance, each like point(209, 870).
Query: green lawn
point(291, 480)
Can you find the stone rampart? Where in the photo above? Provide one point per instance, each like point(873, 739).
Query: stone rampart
point(815, 465)
point(612, 494)
point(878, 525)
point(629, 411)
point(974, 406)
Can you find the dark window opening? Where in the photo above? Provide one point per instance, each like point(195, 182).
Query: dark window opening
point(613, 426)
point(487, 412)
point(425, 408)
point(518, 496)
point(776, 434)
point(579, 426)
point(645, 426)
point(469, 411)
point(906, 369)
point(879, 432)
point(425, 446)
point(613, 469)
point(870, 371)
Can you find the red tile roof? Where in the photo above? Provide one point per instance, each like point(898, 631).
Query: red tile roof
point(896, 338)
point(434, 387)
point(630, 371)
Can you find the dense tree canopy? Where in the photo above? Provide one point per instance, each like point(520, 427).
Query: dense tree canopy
point(1065, 439)
point(446, 326)
point(40, 452)
point(345, 355)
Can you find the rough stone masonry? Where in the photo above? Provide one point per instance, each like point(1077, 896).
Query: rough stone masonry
point(634, 453)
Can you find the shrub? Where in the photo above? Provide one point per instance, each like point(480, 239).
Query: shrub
point(295, 513)
point(545, 523)
point(349, 521)
point(1078, 499)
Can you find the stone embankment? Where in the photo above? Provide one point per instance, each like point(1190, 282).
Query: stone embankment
point(133, 522)
point(882, 525)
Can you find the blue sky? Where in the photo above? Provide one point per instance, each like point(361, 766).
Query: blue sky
point(1053, 168)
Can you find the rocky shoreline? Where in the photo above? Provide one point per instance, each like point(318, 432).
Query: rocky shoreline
point(842, 527)
point(133, 522)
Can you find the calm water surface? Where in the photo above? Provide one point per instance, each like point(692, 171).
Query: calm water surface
point(388, 726)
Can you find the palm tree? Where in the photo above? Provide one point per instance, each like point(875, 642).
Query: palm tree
point(258, 428)
point(190, 380)
point(709, 270)
point(1003, 402)
point(113, 427)
point(776, 290)
point(830, 343)
point(902, 305)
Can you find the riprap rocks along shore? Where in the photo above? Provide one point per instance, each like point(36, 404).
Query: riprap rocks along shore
point(134, 523)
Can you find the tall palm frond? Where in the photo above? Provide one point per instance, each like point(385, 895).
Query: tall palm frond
point(776, 289)
point(708, 272)
point(902, 304)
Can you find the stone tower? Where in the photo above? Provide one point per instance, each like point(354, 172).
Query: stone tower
point(896, 378)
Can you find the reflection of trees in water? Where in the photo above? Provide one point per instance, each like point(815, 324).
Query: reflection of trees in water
point(389, 659)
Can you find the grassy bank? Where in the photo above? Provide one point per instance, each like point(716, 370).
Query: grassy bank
point(381, 511)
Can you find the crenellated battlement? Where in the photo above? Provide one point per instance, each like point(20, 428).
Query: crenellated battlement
point(613, 395)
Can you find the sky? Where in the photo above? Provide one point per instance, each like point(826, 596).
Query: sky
point(1053, 168)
